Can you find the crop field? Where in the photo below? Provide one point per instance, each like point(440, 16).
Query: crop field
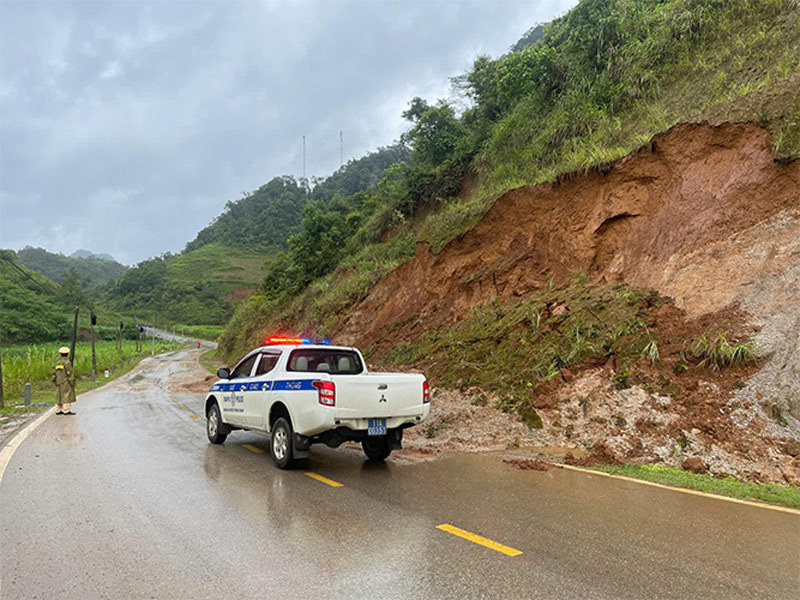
point(33, 363)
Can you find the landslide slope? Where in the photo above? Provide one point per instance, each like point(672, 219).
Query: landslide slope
point(703, 215)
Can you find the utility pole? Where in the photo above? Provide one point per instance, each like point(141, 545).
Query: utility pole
point(2, 402)
point(93, 320)
point(304, 157)
point(74, 337)
point(341, 149)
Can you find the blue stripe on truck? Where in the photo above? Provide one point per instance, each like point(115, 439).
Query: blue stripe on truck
point(288, 385)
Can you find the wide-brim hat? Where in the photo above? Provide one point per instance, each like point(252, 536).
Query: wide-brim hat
point(63, 350)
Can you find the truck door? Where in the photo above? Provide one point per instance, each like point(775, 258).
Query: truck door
point(258, 389)
point(236, 388)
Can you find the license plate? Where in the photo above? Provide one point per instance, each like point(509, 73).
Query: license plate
point(376, 427)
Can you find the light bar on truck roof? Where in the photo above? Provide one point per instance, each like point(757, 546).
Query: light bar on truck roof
point(282, 340)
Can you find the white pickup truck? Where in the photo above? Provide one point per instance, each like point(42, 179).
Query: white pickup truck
point(303, 392)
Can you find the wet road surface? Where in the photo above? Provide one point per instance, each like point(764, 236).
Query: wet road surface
point(128, 500)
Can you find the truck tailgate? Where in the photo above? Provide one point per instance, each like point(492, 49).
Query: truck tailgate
point(378, 395)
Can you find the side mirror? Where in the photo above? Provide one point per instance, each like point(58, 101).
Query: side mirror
point(223, 373)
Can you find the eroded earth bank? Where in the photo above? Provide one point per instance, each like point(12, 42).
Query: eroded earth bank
point(698, 233)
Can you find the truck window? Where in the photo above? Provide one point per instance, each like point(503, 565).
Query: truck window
point(318, 360)
point(243, 368)
point(267, 363)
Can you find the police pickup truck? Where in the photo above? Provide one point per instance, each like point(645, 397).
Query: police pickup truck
point(305, 392)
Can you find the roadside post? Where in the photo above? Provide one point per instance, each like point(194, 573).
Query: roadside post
point(74, 337)
point(27, 394)
point(2, 402)
point(153, 353)
point(93, 320)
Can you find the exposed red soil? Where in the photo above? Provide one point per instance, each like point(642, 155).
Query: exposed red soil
point(654, 218)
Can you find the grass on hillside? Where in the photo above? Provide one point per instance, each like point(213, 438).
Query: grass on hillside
point(203, 332)
point(230, 267)
point(787, 495)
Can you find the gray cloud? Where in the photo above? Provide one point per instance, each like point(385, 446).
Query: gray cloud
point(125, 127)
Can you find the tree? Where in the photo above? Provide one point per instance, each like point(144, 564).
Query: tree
point(73, 288)
point(435, 133)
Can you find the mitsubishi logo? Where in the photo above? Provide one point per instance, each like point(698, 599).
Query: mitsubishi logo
point(382, 398)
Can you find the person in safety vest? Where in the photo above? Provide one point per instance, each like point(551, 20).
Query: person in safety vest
point(64, 380)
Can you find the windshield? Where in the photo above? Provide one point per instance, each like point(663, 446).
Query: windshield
point(318, 360)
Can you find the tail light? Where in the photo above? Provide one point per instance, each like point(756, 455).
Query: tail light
point(426, 392)
point(326, 391)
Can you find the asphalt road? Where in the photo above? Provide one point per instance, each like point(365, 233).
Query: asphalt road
point(128, 500)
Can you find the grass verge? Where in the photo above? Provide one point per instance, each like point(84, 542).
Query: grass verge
point(786, 495)
point(210, 361)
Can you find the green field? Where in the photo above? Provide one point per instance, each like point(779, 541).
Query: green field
point(203, 332)
point(33, 363)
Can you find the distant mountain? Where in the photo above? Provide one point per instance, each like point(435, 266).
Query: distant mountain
point(92, 268)
point(80, 253)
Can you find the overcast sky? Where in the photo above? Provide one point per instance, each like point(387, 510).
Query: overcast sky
point(125, 127)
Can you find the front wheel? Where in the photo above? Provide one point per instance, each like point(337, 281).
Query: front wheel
point(376, 448)
point(281, 443)
point(217, 431)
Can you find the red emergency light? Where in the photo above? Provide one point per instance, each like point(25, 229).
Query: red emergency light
point(283, 340)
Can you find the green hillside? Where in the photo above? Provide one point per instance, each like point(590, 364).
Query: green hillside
point(31, 308)
point(582, 91)
point(224, 264)
point(34, 308)
point(92, 270)
point(193, 288)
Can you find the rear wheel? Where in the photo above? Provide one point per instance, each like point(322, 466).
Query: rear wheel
point(376, 448)
point(281, 444)
point(217, 430)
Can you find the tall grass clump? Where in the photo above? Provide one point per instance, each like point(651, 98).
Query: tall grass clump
point(718, 352)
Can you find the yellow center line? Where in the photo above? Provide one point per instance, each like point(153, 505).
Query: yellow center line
point(183, 408)
point(330, 482)
point(253, 449)
point(479, 540)
point(195, 417)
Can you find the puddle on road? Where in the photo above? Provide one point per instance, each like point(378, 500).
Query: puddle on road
point(71, 439)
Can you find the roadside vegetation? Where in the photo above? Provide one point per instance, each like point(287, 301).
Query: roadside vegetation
point(787, 495)
point(33, 364)
point(203, 332)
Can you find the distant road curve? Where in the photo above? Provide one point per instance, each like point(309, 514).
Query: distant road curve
point(165, 335)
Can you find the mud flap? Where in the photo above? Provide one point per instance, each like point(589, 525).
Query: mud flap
point(395, 439)
point(301, 447)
